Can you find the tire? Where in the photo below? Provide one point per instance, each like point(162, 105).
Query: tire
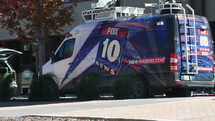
point(130, 86)
point(140, 89)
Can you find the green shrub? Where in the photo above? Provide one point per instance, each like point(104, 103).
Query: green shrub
point(44, 88)
point(123, 86)
point(6, 91)
point(89, 86)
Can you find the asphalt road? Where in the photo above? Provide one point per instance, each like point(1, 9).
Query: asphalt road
point(14, 109)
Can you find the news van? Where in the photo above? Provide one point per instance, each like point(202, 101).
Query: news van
point(171, 52)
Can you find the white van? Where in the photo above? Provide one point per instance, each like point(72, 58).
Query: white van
point(172, 51)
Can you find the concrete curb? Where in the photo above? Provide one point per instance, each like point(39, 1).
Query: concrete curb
point(70, 118)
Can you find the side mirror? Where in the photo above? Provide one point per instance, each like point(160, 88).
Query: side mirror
point(52, 57)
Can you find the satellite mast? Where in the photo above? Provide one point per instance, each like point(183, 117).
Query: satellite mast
point(106, 9)
point(103, 4)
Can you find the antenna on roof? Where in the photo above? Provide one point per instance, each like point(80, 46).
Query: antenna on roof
point(103, 4)
point(166, 1)
point(170, 7)
point(105, 9)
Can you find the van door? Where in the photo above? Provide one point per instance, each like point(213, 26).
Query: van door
point(203, 70)
point(62, 59)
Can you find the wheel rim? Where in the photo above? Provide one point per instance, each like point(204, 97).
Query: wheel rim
point(138, 89)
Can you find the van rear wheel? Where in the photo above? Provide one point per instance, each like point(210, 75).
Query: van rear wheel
point(130, 86)
point(140, 89)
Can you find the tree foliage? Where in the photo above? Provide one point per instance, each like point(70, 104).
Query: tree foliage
point(27, 18)
point(32, 20)
point(44, 88)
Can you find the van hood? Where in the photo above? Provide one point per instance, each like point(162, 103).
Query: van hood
point(6, 53)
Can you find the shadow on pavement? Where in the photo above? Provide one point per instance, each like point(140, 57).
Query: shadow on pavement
point(23, 101)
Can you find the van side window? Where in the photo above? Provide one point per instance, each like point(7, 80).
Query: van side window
point(66, 50)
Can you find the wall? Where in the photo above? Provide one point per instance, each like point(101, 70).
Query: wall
point(4, 35)
point(209, 9)
point(78, 17)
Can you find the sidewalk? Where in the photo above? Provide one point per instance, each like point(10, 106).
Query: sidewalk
point(195, 110)
point(191, 110)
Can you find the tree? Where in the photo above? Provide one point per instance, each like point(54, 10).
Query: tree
point(35, 20)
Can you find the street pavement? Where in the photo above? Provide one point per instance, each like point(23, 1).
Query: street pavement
point(193, 109)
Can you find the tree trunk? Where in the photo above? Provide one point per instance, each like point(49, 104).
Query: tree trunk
point(40, 40)
point(40, 56)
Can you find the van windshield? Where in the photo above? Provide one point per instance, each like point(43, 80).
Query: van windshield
point(66, 50)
